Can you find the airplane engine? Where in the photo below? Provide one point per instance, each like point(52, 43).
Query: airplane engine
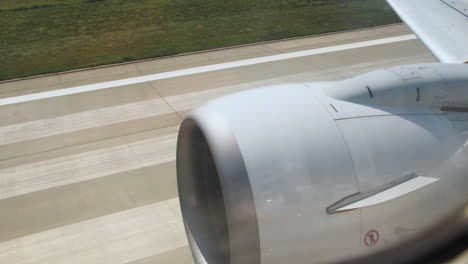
point(313, 173)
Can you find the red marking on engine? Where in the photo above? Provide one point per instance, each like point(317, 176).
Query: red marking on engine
point(371, 238)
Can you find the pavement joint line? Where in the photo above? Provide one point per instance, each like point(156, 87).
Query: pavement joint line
point(163, 98)
point(201, 69)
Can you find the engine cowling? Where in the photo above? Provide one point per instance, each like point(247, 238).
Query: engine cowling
point(259, 170)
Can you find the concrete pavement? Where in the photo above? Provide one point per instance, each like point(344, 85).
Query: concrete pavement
point(90, 177)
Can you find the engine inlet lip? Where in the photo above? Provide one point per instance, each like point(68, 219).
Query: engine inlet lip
point(242, 223)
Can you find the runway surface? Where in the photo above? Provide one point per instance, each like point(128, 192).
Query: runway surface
point(89, 176)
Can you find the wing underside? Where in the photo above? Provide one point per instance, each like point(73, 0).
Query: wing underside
point(441, 24)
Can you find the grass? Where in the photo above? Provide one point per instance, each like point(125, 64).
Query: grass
point(44, 36)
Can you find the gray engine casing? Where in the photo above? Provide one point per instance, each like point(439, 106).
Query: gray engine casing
point(257, 170)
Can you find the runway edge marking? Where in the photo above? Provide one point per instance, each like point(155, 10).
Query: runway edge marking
point(201, 69)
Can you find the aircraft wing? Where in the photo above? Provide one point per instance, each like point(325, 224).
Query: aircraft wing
point(441, 24)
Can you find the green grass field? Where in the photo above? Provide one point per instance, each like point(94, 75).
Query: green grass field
point(44, 36)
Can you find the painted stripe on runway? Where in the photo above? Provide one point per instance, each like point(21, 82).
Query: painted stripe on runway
point(202, 69)
point(117, 238)
point(180, 255)
point(51, 173)
point(72, 203)
point(83, 120)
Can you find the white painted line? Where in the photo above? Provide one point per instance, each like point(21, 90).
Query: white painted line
point(50, 173)
point(82, 120)
point(117, 238)
point(202, 69)
point(392, 193)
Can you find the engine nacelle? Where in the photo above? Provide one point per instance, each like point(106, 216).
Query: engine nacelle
point(270, 175)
